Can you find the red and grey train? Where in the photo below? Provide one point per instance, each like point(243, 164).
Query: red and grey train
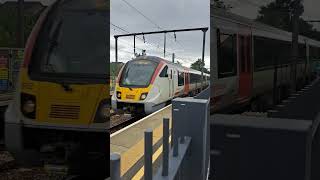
point(246, 56)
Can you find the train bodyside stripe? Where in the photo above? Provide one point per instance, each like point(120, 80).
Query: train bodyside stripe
point(155, 74)
point(32, 38)
point(119, 75)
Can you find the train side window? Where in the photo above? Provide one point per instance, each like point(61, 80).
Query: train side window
point(302, 51)
point(227, 57)
point(263, 59)
point(314, 53)
point(317, 54)
point(279, 52)
point(180, 78)
point(192, 78)
point(164, 72)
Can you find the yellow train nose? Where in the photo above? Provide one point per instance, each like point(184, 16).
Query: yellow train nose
point(132, 94)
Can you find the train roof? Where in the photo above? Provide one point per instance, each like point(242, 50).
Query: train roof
point(158, 59)
point(258, 28)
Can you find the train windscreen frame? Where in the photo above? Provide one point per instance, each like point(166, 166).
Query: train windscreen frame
point(138, 73)
point(68, 48)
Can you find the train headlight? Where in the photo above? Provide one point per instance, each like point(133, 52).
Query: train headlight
point(28, 105)
point(103, 112)
point(118, 95)
point(143, 96)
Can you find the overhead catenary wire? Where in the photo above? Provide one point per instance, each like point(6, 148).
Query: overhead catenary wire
point(129, 32)
point(166, 31)
point(186, 60)
point(147, 43)
point(149, 19)
point(119, 27)
point(137, 10)
point(182, 58)
point(155, 24)
point(128, 44)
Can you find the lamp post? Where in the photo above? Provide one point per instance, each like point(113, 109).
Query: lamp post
point(295, 42)
point(20, 24)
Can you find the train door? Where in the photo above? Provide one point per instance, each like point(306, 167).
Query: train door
point(186, 83)
point(171, 82)
point(245, 67)
point(164, 81)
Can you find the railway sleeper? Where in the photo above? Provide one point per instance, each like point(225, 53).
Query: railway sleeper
point(132, 108)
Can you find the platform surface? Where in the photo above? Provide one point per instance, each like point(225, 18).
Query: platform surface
point(303, 105)
point(129, 142)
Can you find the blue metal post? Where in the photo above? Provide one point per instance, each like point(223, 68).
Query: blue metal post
point(115, 166)
point(175, 146)
point(165, 154)
point(148, 151)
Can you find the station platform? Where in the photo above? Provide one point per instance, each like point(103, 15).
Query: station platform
point(303, 105)
point(129, 143)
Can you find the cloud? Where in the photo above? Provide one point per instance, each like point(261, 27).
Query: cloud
point(168, 15)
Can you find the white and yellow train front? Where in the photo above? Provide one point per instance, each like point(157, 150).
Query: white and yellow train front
point(137, 88)
point(147, 83)
point(61, 96)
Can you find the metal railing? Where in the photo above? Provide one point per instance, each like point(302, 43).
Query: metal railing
point(189, 156)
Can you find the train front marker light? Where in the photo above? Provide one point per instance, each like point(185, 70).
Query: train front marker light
point(118, 95)
point(29, 106)
point(143, 96)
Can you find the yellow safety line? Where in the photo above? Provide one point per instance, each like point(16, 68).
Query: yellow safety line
point(139, 121)
point(131, 156)
point(155, 156)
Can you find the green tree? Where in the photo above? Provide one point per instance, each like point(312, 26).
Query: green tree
point(278, 14)
point(220, 4)
point(115, 68)
point(198, 65)
point(8, 24)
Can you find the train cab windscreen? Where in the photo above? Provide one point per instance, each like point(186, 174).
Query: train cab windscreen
point(72, 41)
point(138, 73)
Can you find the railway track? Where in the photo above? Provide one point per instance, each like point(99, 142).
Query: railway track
point(121, 120)
point(121, 124)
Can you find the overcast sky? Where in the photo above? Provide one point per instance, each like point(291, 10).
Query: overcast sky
point(168, 14)
point(249, 8)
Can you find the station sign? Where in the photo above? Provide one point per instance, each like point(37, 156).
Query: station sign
point(10, 63)
point(4, 69)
